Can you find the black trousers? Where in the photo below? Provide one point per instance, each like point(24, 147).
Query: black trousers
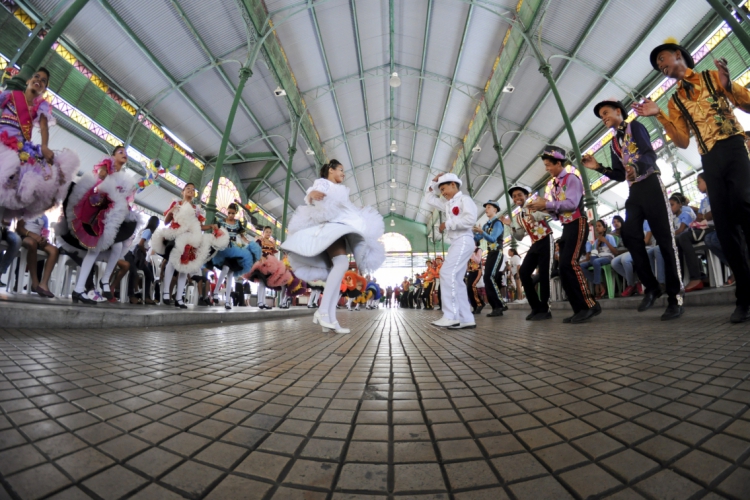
point(539, 255)
point(685, 243)
point(648, 201)
point(572, 242)
point(727, 172)
point(472, 278)
point(427, 293)
point(493, 278)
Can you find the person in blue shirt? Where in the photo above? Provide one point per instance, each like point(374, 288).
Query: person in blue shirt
point(492, 233)
point(623, 264)
point(633, 159)
point(599, 254)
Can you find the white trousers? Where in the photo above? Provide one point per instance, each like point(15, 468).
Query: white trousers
point(454, 299)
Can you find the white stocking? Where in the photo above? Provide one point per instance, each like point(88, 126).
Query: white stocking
point(333, 283)
point(223, 274)
point(261, 293)
point(114, 255)
point(168, 273)
point(181, 281)
point(230, 286)
point(86, 266)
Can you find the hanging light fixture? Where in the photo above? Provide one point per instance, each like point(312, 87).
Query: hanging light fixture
point(394, 81)
point(393, 183)
point(394, 146)
point(393, 207)
point(393, 223)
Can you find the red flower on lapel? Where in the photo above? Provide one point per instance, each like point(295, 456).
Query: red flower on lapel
point(456, 211)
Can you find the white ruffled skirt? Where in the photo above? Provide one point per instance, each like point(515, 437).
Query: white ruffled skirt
point(314, 228)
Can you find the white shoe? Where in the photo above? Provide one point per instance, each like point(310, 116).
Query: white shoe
point(446, 322)
point(326, 326)
point(339, 329)
point(462, 325)
point(522, 301)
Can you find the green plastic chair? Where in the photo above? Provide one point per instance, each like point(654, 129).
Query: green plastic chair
point(610, 278)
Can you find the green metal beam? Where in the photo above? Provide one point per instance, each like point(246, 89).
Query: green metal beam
point(421, 83)
point(35, 32)
point(248, 158)
point(450, 92)
point(363, 85)
point(576, 49)
point(333, 94)
point(222, 73)
point(586, 106)
point(160, 67)
point(18, 82)
point(267, 171)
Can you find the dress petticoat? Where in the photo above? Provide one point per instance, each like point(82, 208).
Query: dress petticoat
point(239, 259)
point(317, 225)
point(190, 247)
point(98, 212)
point(29, 186)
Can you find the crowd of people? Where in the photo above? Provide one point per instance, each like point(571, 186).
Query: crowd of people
point(646, 247)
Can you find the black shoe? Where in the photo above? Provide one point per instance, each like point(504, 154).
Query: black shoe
point(479, 309)
point(107, 294)
point(531, 315)
point(202, 302)
point(583, 316)
point(81, 297)
point(505, 308)
point(228, 306)
point(541, 316)
point(166, 300)
point(495, 312)
point(569, 319)
point(180, 304)
point(673, 311)
point(597, 309)
point(740, 314)
point(648, 299)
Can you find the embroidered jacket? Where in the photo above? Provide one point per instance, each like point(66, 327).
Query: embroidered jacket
point(631, 146)
point(707, 111)
point(567, 198)
point(267, 246)
point(532, 223)
point(492, 232)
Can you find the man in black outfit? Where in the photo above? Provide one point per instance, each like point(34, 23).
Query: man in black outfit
point(634, 160)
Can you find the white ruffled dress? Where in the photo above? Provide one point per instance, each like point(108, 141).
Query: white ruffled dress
point(318, 224)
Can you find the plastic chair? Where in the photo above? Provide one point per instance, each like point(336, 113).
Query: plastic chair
point(24, 278)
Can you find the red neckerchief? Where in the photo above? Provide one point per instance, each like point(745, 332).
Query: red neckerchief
point(23, 113)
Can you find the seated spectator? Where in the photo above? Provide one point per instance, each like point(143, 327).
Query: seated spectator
point(695, 234)
point(35, 233)
point(139, 261)
point(11, 252)
point(682, 216)
point(617, 223)
point(599, 254)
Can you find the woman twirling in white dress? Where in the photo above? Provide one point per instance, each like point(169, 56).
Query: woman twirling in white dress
point(324, 231)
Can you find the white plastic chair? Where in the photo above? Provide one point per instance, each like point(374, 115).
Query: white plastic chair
point(24, 278)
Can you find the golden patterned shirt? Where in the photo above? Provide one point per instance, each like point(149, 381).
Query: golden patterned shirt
point(712, 114)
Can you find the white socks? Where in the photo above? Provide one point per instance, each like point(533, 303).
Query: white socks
point(181, 281)
point(333, 284)
point(229, 288)
point(88, 264)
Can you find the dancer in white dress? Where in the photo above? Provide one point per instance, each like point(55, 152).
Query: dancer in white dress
point(324, 231)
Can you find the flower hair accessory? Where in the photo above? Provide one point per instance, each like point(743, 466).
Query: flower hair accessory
point(106, 162)
point(554, 154)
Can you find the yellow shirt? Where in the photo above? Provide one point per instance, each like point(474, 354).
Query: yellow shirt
point(715, 120)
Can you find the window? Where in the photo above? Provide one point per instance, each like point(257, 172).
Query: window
point(395, 242)
point(225, 194)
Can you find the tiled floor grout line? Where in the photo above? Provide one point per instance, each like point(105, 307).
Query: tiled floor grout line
point(705, 374)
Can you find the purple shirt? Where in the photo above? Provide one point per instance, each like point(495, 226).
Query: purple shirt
point(8, 120)
point(573, 193)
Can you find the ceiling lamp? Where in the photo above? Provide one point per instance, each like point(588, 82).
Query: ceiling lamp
point(394, 146)
point(394, 81)
point(393, 207)
point(393, 183)
point(393, 223)
point(310, 152)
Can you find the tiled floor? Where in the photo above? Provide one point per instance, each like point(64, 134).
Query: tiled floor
point(625, 406)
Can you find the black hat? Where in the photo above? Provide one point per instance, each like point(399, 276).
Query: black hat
point(519, 187)
point(611, 102)
point(671, 44)
point(493, 203)
point(554, 153)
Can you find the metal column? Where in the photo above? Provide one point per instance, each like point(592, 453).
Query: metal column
point(18, 82)
point(737, 29)
point(245, 73)
point(499, 149)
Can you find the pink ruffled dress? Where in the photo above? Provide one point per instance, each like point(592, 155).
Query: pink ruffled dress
point(28, 184)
